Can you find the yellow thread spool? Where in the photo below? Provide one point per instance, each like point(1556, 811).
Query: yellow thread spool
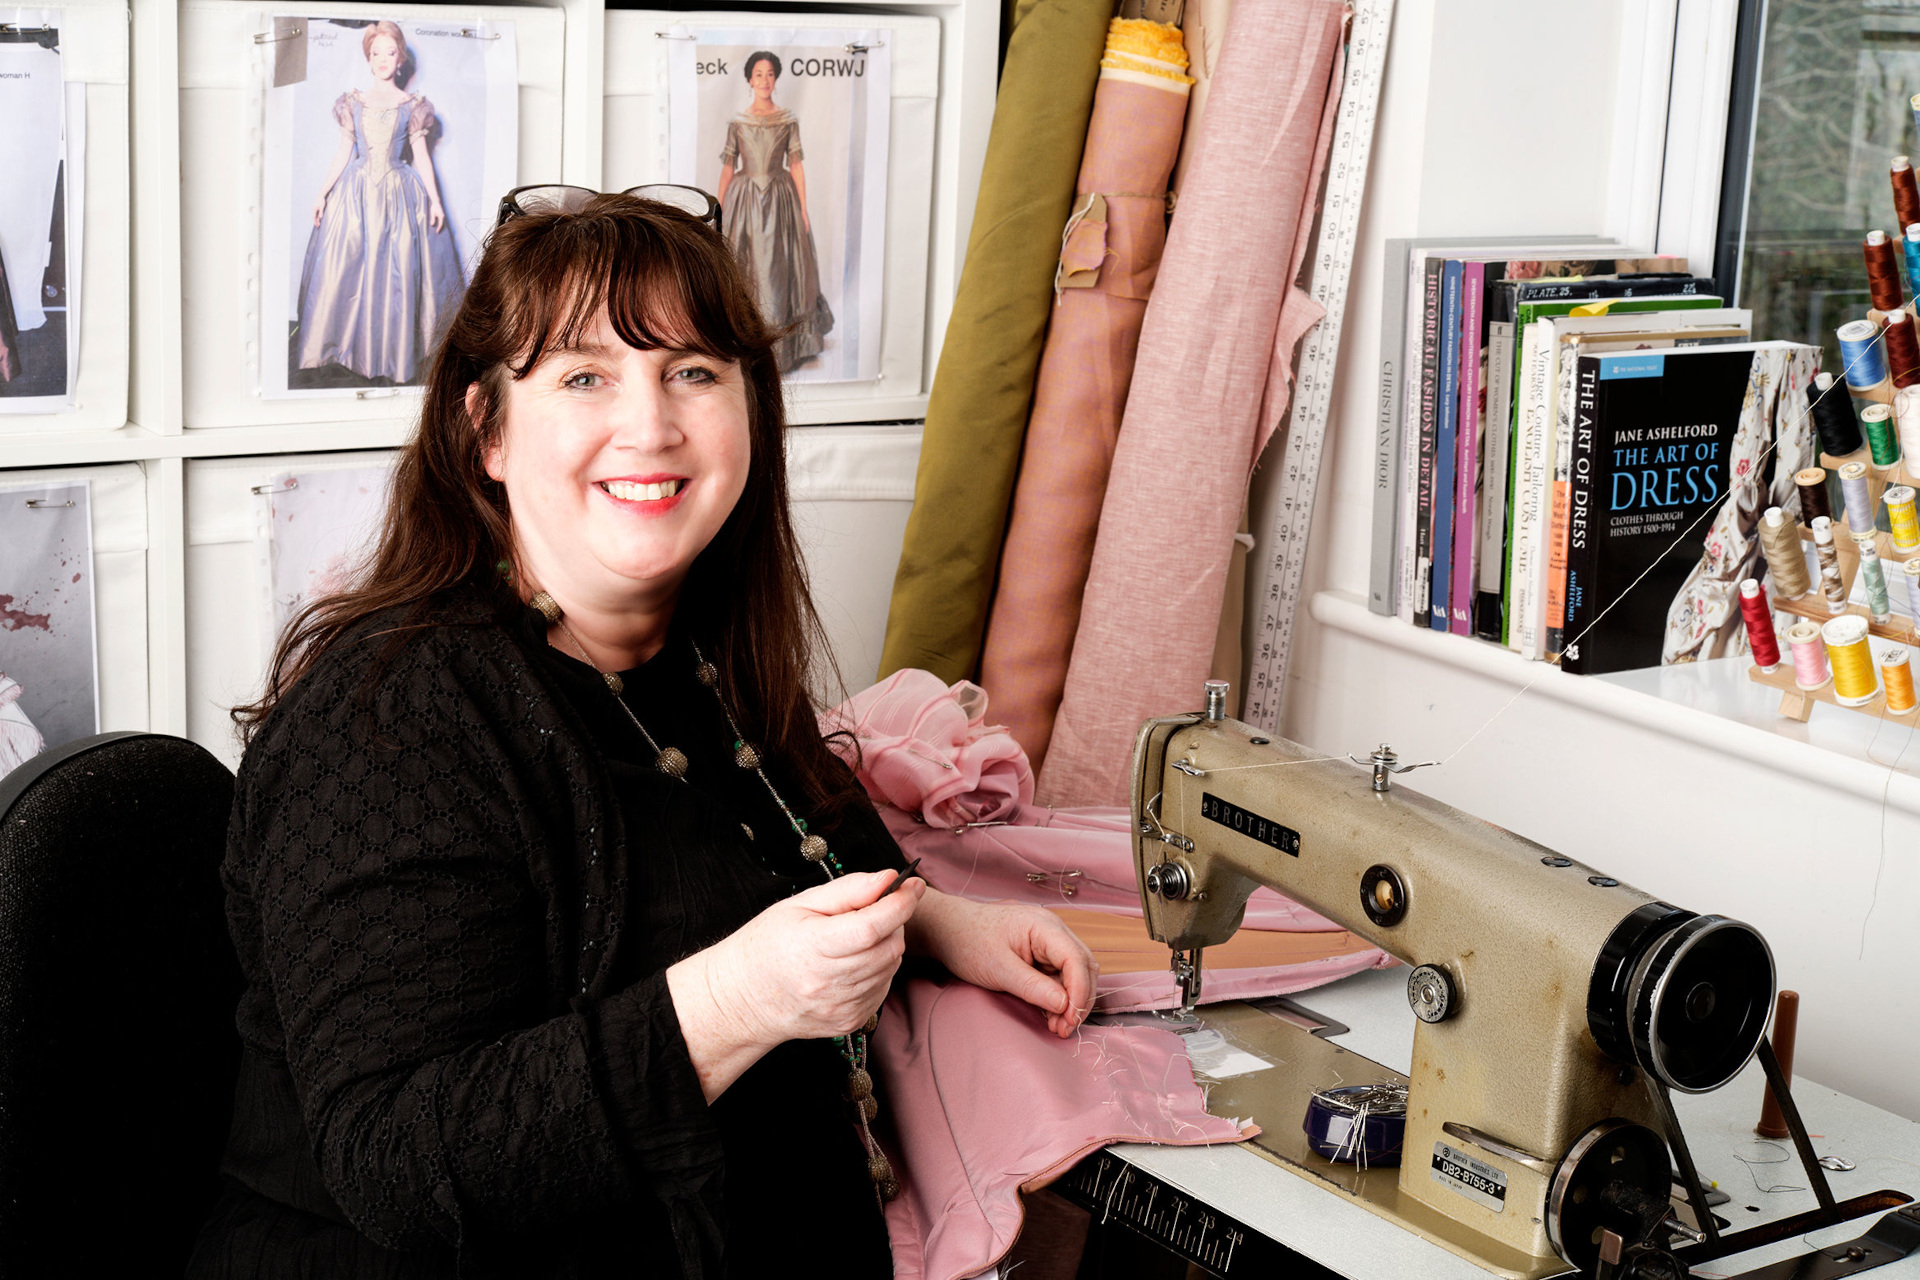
point(1902, 521)
point(1852, 660)
point(1896, 675)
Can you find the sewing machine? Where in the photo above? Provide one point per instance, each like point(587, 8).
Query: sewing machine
point(1558, 1008)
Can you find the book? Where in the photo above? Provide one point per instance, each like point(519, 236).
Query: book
point(1445, 446)
point(1674, 457)
point(1397, 448)
point(1464, 577)
point(1428, 384)
point(1500, 382)
point(1571, 337)
point(1534, 301)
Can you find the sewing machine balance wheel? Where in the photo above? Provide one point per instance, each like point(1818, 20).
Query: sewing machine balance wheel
point(1608, 1199)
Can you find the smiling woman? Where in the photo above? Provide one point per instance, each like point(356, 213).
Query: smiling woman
point(551, 899)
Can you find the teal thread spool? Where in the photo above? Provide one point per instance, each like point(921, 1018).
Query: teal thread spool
point(1876, 420)
point(1879, 604)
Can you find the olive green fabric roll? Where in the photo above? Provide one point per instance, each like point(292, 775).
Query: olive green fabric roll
point(983, 385)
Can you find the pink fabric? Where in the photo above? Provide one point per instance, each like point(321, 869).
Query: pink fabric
point(925, 747)
point(985, 1103)
point(1078, 398)
point(1209, 386)
point(1061, 858)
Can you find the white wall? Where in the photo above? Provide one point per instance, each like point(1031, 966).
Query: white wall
point(1497, 116)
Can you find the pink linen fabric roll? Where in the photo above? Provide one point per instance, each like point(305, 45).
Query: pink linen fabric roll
point(1079, 396)
point(1209, 387)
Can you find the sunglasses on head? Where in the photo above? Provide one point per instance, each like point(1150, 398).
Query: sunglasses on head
point(561, 198)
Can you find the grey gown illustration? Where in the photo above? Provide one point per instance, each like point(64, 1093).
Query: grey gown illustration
point(761, 213)
point(379, 282)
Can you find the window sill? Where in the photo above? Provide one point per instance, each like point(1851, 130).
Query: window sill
point(1711, 705)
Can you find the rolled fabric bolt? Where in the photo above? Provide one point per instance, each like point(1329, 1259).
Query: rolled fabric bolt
point(1812, 484)
point(1906, 192)
point(1758, 615)
point(1896, 680)
point(1903, 521)
point(1786, 1021)
point(1874, 578)
point(1876, 423)
point(1903, 350)
point(1883, 271)
point(1809, 655)
point(1833, 416)
point(1829, 557)
point(1851, 659)
point(1859, 496)
point(1862, 362)
point(1786, 557)
point(1911, 243)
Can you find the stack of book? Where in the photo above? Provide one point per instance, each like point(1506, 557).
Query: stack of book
point(1554, 416)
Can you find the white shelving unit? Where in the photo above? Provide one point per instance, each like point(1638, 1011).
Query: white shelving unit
point(157, 433)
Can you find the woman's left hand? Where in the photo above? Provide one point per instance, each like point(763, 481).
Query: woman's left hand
point(1023, 951)
point(437, 216)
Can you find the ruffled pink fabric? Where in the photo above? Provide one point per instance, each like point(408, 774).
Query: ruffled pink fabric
point(925, 747)
point(986, 1103)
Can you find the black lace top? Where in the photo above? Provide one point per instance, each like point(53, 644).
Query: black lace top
point(454, 903)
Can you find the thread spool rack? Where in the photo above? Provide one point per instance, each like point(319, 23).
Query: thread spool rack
point(1797, 703)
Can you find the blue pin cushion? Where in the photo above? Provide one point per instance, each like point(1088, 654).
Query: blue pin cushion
point(1334, 1115)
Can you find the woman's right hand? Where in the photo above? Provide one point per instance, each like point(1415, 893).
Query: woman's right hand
point(815, 965)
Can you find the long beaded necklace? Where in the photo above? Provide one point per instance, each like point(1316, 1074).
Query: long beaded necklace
point(673, 762)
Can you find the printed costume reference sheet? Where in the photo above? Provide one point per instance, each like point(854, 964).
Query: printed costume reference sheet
point(789, 128)
point(389, 142)
point(42, 203)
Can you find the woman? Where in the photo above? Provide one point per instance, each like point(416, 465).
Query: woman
point(534, 863)
point(382, 275)
point(764, 209)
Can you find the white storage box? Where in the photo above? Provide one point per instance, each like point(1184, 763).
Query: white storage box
point(93, 54)
point(230, 613)
point(118, 500)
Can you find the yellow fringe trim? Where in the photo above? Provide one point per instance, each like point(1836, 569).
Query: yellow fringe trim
point(1150, 48)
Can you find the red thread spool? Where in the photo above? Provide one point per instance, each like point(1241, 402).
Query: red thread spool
point(1759, 619)
point(1883, 271)
point(1903, 350)
point(1906, 191)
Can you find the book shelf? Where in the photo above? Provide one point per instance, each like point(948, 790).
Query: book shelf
point(154, 431)
point(1797, 703)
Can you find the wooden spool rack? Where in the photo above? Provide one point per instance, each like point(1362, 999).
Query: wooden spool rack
point(1797, 703)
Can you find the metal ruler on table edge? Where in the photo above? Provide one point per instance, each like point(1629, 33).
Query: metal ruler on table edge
point(1284, 546)
point(1113, 1190)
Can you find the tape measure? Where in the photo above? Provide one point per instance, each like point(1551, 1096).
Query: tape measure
point(1291, 498)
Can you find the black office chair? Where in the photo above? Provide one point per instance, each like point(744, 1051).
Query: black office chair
point(117, 994)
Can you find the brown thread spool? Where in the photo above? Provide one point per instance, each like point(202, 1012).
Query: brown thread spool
point(1906, 192)
point(1903, 350)
point(1883, 271)
point(1786, 1019)
point(1812, 484)
point(1786, 557)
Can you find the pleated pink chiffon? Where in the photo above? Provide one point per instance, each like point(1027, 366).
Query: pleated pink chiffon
point(1080, 394)
point(1209, 387)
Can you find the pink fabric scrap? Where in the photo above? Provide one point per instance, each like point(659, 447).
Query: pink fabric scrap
point(986, 1103)
point(1209, 386)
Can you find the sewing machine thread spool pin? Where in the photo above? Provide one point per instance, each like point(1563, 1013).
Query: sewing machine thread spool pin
point(1217, 700)
point(1386, 763)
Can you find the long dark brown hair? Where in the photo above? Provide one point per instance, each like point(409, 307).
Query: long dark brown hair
point(665, 279)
